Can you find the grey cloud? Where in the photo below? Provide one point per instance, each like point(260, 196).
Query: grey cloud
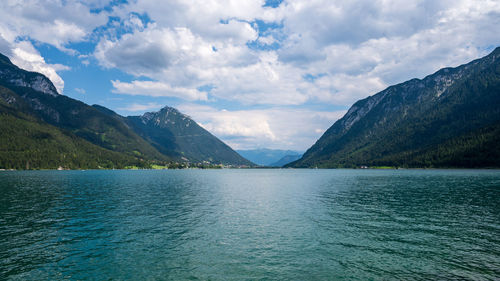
point(312, 26)
point(354, 22)
point(5, 47)
point(54, 22)
point(138, 57)
point(301, 52)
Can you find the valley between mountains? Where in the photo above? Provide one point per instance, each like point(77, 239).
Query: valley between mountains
point(448, 119)
point(41, 129)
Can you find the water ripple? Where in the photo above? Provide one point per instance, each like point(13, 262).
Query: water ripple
point(250, 225)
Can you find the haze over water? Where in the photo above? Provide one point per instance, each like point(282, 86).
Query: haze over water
point(250, 224)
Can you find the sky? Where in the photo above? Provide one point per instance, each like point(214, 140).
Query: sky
point(273, 74)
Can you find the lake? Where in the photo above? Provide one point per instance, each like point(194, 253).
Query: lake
point(257, 224)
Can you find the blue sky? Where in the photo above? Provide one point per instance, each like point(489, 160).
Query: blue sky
point(255, 73)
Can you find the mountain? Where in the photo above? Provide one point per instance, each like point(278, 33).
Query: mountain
point(27, 142)
point(41, 100)
point(448, 119)
point(265, 156)
point(285, 160)
point(179, 137)
point(43, 129)
point(12, 76)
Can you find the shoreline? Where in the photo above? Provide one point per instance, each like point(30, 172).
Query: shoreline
point(252, 168)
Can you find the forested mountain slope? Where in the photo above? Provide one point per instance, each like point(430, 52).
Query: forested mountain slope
point(448, 119)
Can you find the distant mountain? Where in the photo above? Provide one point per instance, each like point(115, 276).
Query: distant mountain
point(178, 136)
point(43, 129)
point(285, 160)
point(448, 119)
point(265, 156)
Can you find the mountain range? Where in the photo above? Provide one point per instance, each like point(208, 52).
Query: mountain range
point(448, 119)
point(40, 128)
point(270, 157)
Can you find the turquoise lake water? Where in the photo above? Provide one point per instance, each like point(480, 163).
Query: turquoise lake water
point(250, 225)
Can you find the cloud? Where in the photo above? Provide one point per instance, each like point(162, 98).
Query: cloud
point(351, 49)
point(156, 89)
point(148, 52)
point(135, 107)
point(179, 58)
point(222, 20)
point(174, 53)
point(55, 22)
point(266, 81)
point(240, 124)
point(5, 47)
point(353, 22)
point(183, 60)
point(267, 40)
point(80, 91)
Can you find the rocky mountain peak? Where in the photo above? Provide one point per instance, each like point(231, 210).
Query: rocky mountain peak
point(11, 75)
point(166, 115)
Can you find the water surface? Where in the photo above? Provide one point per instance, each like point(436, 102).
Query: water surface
point(250, 224)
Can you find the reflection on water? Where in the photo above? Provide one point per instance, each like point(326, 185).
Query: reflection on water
point(250, 224)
